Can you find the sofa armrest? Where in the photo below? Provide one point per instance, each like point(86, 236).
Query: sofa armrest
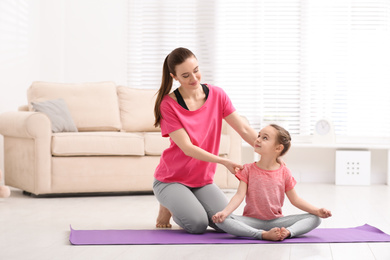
point(27, 150)
point(25, 124)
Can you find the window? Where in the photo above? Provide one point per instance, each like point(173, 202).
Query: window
point(156, 27)
point(346, 55)
point(14, 28)
point(286, 61)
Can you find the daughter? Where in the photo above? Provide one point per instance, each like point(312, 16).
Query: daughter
point(264, 184)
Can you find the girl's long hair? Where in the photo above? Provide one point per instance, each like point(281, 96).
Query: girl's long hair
point(176, 57)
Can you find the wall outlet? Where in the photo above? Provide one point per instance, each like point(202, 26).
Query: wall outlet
point(353, 167)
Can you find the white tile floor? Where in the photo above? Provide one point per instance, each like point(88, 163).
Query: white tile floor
point(38, 228)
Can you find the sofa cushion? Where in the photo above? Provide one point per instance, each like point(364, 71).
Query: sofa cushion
point(58, 113)
point(137, 109)
point(93, 106)
point(155, 144)
point(97, 143)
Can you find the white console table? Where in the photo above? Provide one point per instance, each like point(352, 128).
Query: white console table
point(341, 146)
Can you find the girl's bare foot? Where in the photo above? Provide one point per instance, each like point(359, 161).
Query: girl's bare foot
point(284, 233)
point(164, 216)
point(273, 234)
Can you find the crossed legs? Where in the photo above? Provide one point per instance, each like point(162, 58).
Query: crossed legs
point(275, 229)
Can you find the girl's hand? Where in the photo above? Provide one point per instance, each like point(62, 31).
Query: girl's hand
point(324, 213)
point(219, 217)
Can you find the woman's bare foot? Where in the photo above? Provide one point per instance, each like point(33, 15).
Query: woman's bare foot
point(284, 233)
point(273, 234)
point(163, 218)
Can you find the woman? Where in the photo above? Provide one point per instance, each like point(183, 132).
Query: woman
point(192, 117)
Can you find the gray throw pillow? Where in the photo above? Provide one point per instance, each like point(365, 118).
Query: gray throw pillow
point(58, 112)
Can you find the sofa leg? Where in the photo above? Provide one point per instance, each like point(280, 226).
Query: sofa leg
point(88, 194)
point(28, 194)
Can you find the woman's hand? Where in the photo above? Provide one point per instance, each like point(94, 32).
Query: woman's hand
point(232, 166)
point(219, 217)
point(183, 141)
point(280, 161)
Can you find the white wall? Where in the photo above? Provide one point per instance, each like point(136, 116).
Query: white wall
point(59, 41)
point(317, 165)
point(62, 41)
point(18, 53)
point(83, 40)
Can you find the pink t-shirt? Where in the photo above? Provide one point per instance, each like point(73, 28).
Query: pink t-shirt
point(204, 129)
point(266, 189)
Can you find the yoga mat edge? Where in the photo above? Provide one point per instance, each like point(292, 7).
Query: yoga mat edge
point(365, 233)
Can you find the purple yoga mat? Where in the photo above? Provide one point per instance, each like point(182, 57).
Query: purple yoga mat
point(365, 233)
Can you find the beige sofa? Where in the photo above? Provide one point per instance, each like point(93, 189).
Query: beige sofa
point(116, 147)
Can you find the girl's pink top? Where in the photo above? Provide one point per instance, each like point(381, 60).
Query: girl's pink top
point(204, 129)
point(266, 189)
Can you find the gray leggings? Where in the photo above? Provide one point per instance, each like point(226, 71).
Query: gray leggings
point(191, 208)
point(252, 227)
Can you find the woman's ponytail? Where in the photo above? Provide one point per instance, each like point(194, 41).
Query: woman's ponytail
point(165, 88)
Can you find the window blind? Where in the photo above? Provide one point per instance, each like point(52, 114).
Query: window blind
point(258, 59)
point(345, 56)
point(157, 27)
point(287, 61)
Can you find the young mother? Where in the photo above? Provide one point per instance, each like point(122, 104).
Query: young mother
point(192, 117)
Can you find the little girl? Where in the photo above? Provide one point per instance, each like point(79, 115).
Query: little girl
point(264, 184)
